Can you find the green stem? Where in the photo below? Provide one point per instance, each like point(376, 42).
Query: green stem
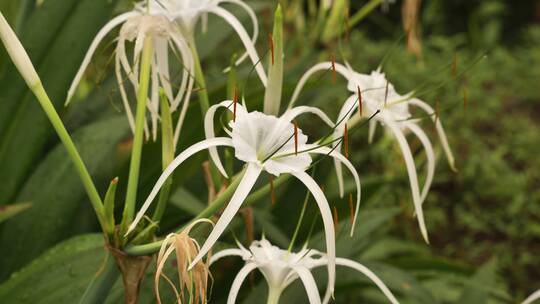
point(204, 101)
point(84, 175)
point(273, 295)
point(299, 224)
point(363, 12)
point(136, 152)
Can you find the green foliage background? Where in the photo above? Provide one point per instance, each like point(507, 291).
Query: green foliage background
point(484, 221)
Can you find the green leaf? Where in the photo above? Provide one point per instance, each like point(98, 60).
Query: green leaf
point(58, 196)
point(479, 287)
point(56, 37)
point(7, 212)
point(58, 276)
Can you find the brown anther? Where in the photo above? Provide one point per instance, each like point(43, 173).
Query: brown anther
point(346, 140)
point(235, 101)
point(386, 93)
point(360, 110)
point(334, 72)
point(351, 208)
point(336, 219)
point(115, 181)
point(271, 45)
point(272, 193)
point(295, 138)
point(323, 188)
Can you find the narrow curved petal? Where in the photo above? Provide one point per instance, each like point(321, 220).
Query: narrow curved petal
point(123, 94)
point(238, 280)
point(345, 114)
point(328, 222)
point(225, 253)
point(411, 171)
point(254, 21)
point(309, 284)
point(93, 46)
point(209, 129)
point(430, 155)
point(440, 131)
point(368, 273)
point(291, 114)
point(323, 66)
point(245, 186)
point(533, 297)
point(250, 48)
point(205, 144)
point(338, 157)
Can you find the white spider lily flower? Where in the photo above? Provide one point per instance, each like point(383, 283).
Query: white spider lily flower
point(188, 12)
point(265, 143)
point(529, 300)
point(18, 54)
point(136, 26)
point(377, 94)
point(280, 268)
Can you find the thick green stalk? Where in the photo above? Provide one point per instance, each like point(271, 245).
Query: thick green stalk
point(136, 152)
point(273, 295)
point(204, 101)
point(60, 129)
point(167, 156)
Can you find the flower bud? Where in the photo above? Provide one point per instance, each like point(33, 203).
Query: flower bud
point(18, 54)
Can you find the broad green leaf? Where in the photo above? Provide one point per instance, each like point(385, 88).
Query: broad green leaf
point(58, 276)
point(9, 211)
point(56, 36)
point(482, 285)
point(58, 195)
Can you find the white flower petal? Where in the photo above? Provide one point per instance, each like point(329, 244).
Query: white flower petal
point(430, 156)
point(328, 222)
point(533, 297)
point(309, 284)
point(291, 114)
point(323, 66)
point(254, 21)
point(205, 144)
point(368, 273)
point(440, 130)
point(225, 253)
point(338, 157)
point(411, 171)
point(250, 48)
point(245, 186)
point(209, 128)
point(238, 280)
point(93, 46)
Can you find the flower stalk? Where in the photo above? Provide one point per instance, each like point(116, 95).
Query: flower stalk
point(24, 65)
point(136, 153)
point(272, 96)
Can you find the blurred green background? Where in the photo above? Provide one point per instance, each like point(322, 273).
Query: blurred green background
point(484, 221)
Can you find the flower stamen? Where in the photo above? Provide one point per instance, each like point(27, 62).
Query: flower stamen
point(336, 219)
point(271, 45)
point(386, 93)
point(334, 71)
point(235, 101)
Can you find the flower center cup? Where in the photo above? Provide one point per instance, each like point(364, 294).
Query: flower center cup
point(270, 142)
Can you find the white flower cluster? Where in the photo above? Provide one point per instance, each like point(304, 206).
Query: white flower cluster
point(265, 143)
